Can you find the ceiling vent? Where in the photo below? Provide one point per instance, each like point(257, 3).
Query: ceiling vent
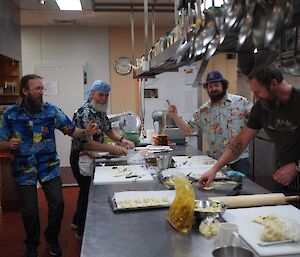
point(66, 22)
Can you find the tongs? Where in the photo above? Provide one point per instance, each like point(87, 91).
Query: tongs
point(229, 178)
point(236, 190)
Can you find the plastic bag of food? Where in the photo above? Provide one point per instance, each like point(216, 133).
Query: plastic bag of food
point(181, 212)
point(208, 227)
point(281, 229)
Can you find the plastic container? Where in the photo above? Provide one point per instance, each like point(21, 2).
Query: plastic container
point(132, 136)
point(181, 212)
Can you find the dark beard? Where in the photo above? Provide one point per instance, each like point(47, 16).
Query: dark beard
point(217, 97)
point(34, 104)
point(269, 104)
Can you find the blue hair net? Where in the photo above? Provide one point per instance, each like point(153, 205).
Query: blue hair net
point(98, 86)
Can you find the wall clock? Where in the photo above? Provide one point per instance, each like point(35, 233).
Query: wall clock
point(123, 65)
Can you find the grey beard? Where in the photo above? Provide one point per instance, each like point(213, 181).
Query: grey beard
point(99, 107)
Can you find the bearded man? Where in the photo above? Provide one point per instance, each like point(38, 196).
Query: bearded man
point(93, 109)
point(277, 111)
point(220, 119)
point(27, 130)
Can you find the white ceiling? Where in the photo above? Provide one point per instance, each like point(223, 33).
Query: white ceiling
point(35, 14)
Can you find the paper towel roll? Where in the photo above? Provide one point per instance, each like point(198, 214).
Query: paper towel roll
point(149, 136)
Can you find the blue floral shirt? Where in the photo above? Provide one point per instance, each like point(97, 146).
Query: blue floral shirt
point(220, 122)
point(36, 157)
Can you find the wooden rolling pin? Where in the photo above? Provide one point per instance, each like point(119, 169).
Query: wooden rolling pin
point(255, 200)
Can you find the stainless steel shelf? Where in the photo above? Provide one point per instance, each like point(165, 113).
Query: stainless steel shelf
point(164, 62)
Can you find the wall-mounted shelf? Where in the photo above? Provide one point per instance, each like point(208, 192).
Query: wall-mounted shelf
point(8, 99)
point(9, 80)
point(165, 61)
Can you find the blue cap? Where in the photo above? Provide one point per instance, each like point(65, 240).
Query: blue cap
point(99, 86)
point(214, 76)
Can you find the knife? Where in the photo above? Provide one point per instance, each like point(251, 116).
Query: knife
point(275, 242)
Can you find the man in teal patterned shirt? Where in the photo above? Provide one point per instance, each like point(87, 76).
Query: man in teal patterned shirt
point(27, 129)
point(220, 119)
point(93, 109)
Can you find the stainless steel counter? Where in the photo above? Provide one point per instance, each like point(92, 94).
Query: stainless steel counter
point(144, 233)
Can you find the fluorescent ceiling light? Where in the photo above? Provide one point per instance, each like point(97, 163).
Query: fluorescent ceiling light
point(72, 5)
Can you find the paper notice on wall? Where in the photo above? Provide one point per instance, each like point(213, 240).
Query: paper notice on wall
point(50, 88)
point(190, 102)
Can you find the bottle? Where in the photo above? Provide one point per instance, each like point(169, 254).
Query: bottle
point(5, 89)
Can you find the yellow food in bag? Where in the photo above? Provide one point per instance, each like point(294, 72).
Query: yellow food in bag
point(181, 211)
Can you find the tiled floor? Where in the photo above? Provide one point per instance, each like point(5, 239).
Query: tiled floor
point(12, 231)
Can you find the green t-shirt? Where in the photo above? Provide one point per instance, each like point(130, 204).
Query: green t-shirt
point(282, 125)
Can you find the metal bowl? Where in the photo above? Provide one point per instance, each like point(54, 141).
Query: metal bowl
point(232, 251)
point(209, 208)
point(169, 182)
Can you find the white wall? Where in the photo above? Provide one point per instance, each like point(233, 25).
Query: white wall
point(73, 46)
point(172, 86)
point(62, 53)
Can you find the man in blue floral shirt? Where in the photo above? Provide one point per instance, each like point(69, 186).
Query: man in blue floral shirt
point(220, 119)
point(27, 129)
point(93, 109)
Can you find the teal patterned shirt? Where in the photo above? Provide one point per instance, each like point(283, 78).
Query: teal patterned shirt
point(220, 122)
point(82, 117)
point(36, 157)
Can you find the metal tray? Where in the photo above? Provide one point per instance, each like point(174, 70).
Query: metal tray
point(150, 205)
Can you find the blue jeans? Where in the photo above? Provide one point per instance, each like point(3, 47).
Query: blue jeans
point(242, 165)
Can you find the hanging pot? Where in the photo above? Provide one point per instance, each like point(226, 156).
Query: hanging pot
point(249, 61)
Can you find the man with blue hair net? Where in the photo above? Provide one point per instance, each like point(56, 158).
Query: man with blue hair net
point(93, 109)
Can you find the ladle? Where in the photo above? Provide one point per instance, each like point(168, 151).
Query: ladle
point(261, 16)
point(275, 22)
point(199, 47)
point(209, 27)
point(246, 23)
point(288, 64)
point(233, 11)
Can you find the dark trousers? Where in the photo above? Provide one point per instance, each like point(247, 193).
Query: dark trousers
point(84, 186)
point(30, 211)
point(292, 189)
point(242, 165)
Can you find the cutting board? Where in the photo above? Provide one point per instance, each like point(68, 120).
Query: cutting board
point(251, 231)
point(193, 171)
point(193, 161)
point(121, 174)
